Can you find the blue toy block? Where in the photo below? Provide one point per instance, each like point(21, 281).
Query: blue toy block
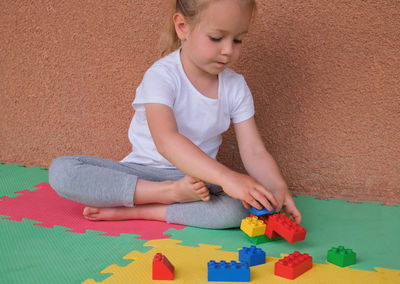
point(225, 271)
point(263, 211)
point(253, 255)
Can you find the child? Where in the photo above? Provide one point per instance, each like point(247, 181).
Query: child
point(184, 103)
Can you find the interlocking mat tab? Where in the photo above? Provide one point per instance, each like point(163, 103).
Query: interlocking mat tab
point(14, 178)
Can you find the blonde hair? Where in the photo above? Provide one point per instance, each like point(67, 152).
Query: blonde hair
point(190, 9)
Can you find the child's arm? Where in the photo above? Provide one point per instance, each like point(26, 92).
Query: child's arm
point(260, 165)
point(186, 156)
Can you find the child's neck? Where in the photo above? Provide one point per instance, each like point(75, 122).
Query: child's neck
point(207, 86)
point(205, 83)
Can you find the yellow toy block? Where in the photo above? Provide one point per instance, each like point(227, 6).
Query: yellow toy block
point(252, 226)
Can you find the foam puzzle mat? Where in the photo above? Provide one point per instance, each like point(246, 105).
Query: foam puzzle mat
point(44, 239)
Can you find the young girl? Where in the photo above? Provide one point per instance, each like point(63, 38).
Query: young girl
point(184, 103)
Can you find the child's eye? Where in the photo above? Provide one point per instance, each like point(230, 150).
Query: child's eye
point(216, 39)
point(237, 41)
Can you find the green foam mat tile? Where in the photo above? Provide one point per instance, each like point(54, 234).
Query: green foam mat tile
point(369, 229)
point(14, 178)
point(33, 254)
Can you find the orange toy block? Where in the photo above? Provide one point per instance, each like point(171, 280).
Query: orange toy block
point(282, 225)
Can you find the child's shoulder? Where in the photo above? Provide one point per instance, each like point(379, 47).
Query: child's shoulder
point(232, 75)
point(232, 78)
point(167, 63)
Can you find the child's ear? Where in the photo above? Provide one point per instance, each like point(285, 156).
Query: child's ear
point(181, 26)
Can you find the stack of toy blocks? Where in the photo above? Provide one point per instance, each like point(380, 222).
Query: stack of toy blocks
point(276, 226)
point(225, 271)
point(162, 268)
point(293, 265)
point(236, 271)
point(341, 256)
point(256, 217)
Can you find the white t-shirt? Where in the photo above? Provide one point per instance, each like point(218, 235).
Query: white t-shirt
point(199, 118)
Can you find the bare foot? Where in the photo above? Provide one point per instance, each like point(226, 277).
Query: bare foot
point(189, 189)
point(145, 212)
point(104, 213)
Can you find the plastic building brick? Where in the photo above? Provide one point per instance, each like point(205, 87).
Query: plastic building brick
point(262, 239)
point(282, 225)
point(225, 271)
point(253, 255)
point(341, 256)
point(293, 265)
point(258, 239)
point(162, 268)
point(258, 212)
point(252, 226)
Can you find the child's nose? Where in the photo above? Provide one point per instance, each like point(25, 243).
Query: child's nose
point(227, 48)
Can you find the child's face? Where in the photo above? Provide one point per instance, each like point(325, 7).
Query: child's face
point(214, 42)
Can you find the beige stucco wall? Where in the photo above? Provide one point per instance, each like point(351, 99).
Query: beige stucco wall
point(324, 74)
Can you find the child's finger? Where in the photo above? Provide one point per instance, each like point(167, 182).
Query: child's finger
point(245, 204)
point(266, 198)
point(253, 202)
point(261, 200)
point(291, 208)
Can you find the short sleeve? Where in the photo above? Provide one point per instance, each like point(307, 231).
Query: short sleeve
point(157, 86)
point(243, 105)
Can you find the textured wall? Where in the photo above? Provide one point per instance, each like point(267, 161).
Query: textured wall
point(324, 74)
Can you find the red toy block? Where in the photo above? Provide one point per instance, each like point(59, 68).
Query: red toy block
point(293, 265)
point(162, 268)
point(282, 225)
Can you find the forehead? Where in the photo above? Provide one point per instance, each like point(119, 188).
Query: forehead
point(226, 15)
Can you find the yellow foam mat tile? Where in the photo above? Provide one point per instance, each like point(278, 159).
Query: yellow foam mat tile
point(191, 267)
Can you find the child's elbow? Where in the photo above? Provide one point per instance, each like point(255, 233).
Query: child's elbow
point(162, 144)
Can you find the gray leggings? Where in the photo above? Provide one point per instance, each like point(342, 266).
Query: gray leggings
point(104, 183)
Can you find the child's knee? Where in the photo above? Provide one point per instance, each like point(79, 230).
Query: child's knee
point(61, 173)
point(233, 215)
point(228, 213)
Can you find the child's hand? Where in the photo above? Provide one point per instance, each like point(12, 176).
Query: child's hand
point(285, 202)
point(249, 191)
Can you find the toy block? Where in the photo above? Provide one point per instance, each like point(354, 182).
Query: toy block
point(261, 239)
point(269, 232)
point(253, 255)
point(225, 271)
point(341, 256)
point(282, 225)
point(258, 239)
point(265, 217)
point(293, 265)
point(162, 268)
point(259, 212)
point(252, 226)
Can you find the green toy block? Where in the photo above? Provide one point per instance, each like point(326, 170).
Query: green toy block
point(261, 239)
point(341, 256)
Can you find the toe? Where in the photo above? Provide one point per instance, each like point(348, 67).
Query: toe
point(202, 190)
point(91, 213)
point(205, 197)
point(198, 185)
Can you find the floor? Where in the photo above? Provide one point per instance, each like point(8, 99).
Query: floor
point(44, 239)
